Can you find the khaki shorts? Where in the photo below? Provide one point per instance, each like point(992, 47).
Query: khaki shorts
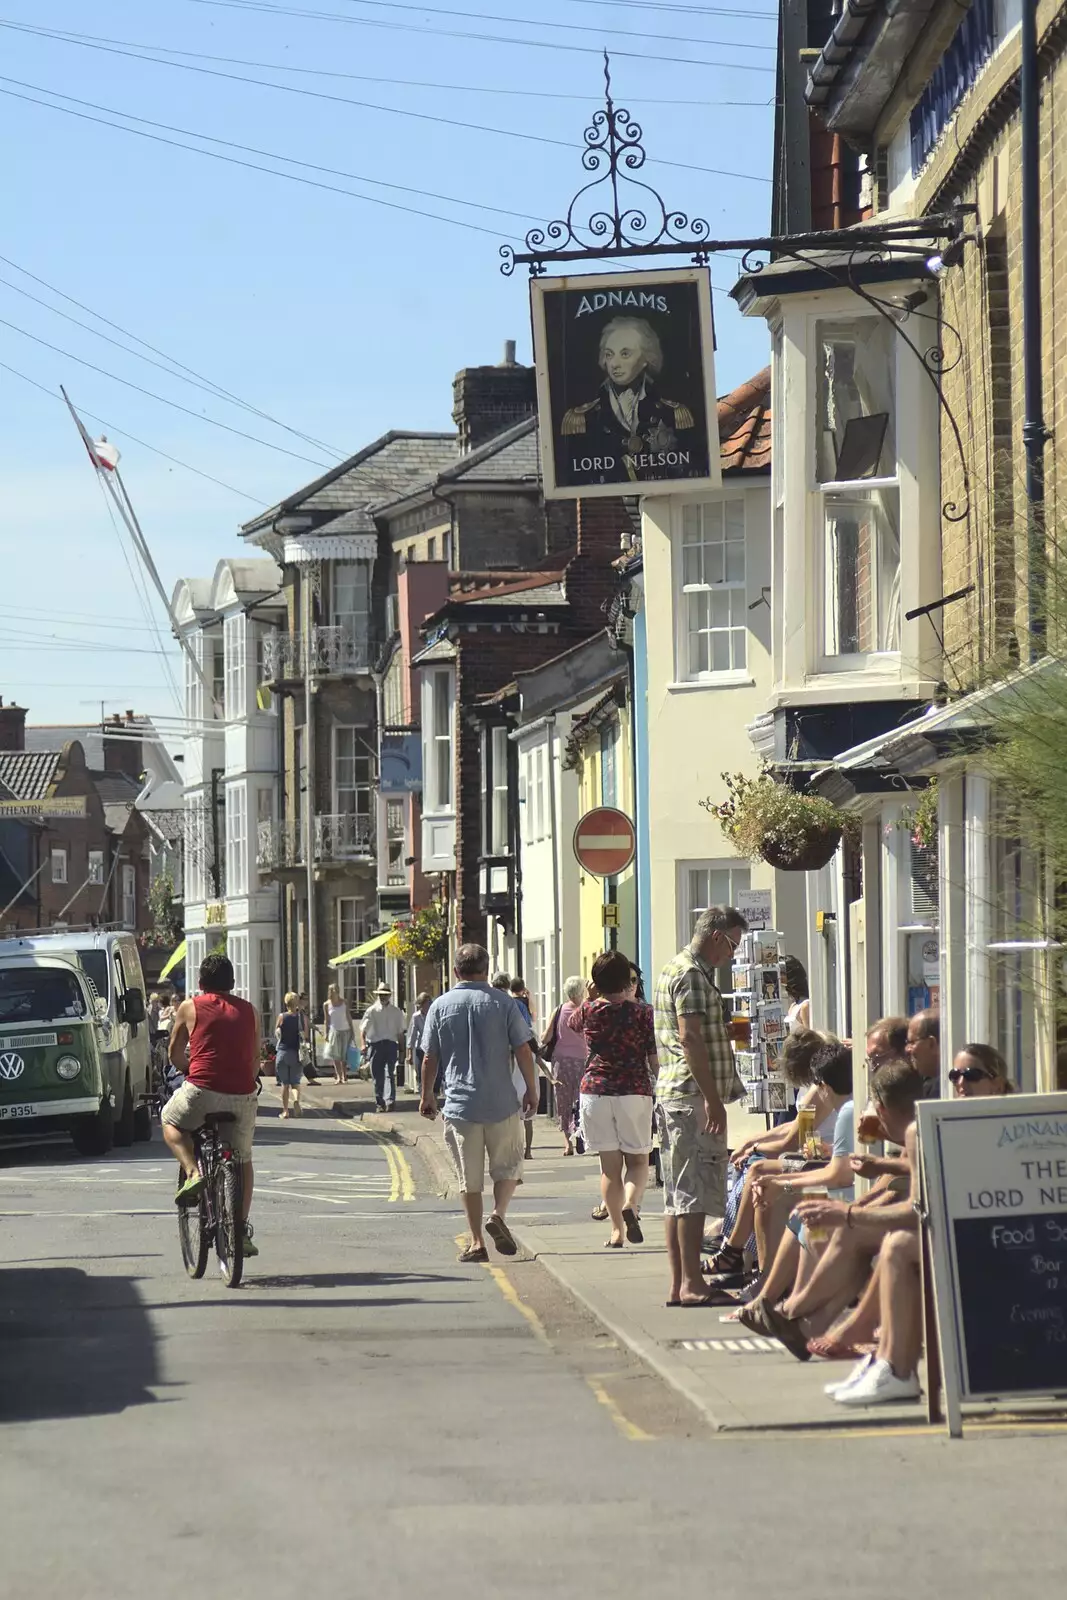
point(617, 1122)
point(189, 1105)
point(469, 1143)
point(694, 1162)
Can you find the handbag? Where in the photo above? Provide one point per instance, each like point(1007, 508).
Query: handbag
point(547, 1049)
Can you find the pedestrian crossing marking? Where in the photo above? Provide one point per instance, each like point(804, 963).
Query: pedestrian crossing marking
point(754, 1346)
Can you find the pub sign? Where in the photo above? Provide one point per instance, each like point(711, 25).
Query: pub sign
point(625, 382)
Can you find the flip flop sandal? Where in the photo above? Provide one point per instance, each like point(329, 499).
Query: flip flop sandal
point(501, 1235)
point(829, 1350)
point(474, 1253)
point(786, 1331)
point(716, 1299)
point(599, 1213)
point(728, 1260)
point(633, 1225)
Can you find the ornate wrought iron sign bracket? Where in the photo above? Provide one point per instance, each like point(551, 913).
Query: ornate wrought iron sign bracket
point(616, 216)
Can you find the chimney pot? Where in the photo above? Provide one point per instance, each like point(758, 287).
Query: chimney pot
point(509, 352)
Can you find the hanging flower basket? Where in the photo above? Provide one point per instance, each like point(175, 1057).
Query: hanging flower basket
point(807, 852)
point(768, 821)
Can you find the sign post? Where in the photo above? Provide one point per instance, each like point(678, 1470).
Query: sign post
point(994, 1177)
point(604, 842)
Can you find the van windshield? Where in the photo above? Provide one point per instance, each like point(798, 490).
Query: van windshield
point(39, 994)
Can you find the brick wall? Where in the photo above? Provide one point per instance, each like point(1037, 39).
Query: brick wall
point(980, 163)
point(486, 400)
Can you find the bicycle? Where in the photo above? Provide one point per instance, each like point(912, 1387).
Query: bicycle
point(214, 1218)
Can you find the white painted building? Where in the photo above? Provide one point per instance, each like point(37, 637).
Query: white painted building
point(231, 763)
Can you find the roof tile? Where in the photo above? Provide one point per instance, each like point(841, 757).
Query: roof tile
point(745, 426)
point(28, 773)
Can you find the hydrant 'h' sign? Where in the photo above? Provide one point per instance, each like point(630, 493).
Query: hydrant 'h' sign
point(604, 842)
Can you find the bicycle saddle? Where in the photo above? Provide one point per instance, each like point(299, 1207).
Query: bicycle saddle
point(216, 1119)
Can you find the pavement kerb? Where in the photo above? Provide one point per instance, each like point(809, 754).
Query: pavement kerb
point(663, 1364)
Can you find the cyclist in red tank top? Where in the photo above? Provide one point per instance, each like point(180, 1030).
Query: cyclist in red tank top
point(222, 1034)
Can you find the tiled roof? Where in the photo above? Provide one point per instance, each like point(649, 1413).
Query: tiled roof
point(745, 426)
point(28, 773)
point(509, 457)
point(115, 787)
point(358, 520)
point(506, 588)
point(382, 472)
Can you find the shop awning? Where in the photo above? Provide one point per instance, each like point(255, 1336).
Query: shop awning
point(361, 949)
point(175, 959)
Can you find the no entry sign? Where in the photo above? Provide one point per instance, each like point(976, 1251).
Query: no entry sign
point(604, 842)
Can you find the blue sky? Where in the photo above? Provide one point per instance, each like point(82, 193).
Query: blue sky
point(338, 317)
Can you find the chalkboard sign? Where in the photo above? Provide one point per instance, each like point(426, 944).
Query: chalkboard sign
point(995, 1193)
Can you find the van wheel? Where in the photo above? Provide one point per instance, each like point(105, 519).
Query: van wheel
point(142, 1123)
point(124, 1126)
point(94, 1135)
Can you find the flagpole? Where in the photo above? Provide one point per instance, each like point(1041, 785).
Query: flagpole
point(109, 475)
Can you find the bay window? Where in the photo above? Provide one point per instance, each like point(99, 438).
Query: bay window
point(236, 682)
point(495, 832)
point(351, 600)
point(439, 740)
point(237, 839)
point(352, 774)
point(857, 486)
point(713, 609)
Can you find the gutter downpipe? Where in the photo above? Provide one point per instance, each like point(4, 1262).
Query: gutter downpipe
point(309, 803)
point(1035, 433)
point(557, 962)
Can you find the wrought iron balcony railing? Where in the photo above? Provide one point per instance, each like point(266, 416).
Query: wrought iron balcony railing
point(336, 839)
point(335, 652)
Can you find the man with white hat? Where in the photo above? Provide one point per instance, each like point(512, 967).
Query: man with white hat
point(382, 1032)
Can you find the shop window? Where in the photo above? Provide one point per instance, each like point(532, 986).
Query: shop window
point(857, 487)
point(712, 601)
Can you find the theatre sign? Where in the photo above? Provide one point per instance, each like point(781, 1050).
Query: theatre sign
point(625, 382)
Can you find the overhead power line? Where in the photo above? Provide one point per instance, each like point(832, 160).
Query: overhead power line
point(545, 22)
point(265, 9)
point(124, 433)
point(162, 398)
point(207, 387)
point(153, 52)
point(318, 94)
point(233, 161)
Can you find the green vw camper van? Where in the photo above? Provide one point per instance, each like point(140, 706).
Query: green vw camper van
point(54, 1041)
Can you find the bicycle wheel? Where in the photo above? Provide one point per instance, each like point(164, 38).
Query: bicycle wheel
point(229, 1229)
point(194, 1234)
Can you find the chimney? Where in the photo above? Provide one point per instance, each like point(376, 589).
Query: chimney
point(12, 727)
point(121, 753)
point(488, 400)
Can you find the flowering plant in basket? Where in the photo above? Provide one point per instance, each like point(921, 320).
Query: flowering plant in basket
point(768, 821)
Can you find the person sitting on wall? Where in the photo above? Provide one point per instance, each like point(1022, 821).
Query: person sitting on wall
point(923, 1050)
point(796, 1252)
point(891, 1373)
point(765, 1153)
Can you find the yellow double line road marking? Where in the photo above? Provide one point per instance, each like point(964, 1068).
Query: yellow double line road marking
point(402, 1181)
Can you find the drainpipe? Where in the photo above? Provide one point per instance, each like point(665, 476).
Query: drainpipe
point(558, 940)
point(309, 802)
point(1034, 431)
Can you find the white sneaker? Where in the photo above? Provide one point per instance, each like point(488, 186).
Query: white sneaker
point(854, 1376)
point(877, 1385)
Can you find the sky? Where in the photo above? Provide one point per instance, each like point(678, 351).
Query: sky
point(338, 315)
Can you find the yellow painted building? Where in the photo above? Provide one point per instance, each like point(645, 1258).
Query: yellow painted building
point(601, 751)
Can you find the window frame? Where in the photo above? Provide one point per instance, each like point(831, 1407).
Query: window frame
point(362, 791)
point(237, 951)
point(59, 856)
point(737, 586)
point(823, 491)
point(687, 908)
point(128, 893)
point(94, 859)
point(496, 829)
point(236, 854)
point(438, 740)
point(267, 969)
point(235, 666)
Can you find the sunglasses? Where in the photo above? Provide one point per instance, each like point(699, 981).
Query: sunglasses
point(968, 1075)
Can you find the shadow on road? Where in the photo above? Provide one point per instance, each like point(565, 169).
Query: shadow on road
point(72, 1345)
point(350, 1280)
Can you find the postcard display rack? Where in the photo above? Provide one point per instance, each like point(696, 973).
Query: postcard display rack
point(759, 995)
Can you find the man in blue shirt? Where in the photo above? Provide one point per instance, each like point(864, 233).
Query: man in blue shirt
point(471, 1032)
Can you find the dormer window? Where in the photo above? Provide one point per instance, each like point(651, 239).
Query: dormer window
point(858, 487)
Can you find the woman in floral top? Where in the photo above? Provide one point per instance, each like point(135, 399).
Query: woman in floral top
point(616, 1090)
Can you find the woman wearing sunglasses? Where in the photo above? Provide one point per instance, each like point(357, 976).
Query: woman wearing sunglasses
point(979, 1070)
